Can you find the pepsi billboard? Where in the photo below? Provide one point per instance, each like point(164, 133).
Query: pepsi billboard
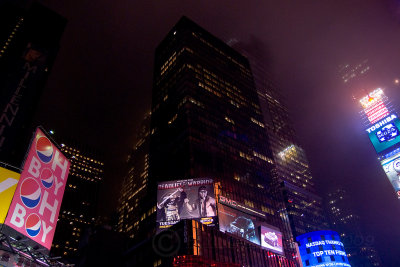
point(385, 133)
point(391, 166)
point(36, 203)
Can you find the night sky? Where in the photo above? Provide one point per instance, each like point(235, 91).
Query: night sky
point(100, 85)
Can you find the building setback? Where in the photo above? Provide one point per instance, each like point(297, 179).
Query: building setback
point(29, 42)
point(206, 121)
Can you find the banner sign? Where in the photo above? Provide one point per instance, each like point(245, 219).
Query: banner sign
point(37, 199)
point(8, 184)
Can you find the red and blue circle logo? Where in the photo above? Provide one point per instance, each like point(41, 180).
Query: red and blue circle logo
point(30, 193)
point(33, 225)
point(44, 149)
point(47, 177)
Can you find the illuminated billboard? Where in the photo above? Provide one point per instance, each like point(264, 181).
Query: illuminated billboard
point(239, 220)
point(185, 199)
point(385, 133)
point(391, 166)
point(37, 199)
point(238, 223)
point(373, 105)
point(8, 184)
point(271, 239)
point(322, 249)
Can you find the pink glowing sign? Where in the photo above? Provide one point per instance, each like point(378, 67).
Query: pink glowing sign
point(37, 199)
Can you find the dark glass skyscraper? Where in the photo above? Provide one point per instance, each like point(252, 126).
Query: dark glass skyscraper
point(29, 42)
point(206, 121)
point(292, 173)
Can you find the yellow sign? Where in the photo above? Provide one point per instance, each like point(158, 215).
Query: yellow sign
point(8, 184)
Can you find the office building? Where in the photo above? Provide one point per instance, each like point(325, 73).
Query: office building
point(360, 246)
point(78, 211)
point(206, 122)
point(29, 42)
point(292, 173)
point(135, 185)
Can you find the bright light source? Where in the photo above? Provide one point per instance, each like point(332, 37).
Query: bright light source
point(51, 132)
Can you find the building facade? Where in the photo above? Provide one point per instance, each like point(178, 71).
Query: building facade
point(292, 172)
point(359, 245)
point(206, 121)
point(78, 212)
point(29, 42)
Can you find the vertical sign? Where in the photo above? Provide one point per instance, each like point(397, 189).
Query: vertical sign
point(8, 183)
point(37, 199)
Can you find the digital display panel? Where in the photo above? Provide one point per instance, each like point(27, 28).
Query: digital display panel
point(38, 196)
point(385, 133)
point(391, 166)
point(238, 223)
point(322, 249)
point(372, 98)
point(8, 184)
point(185, 199)
point(271, 239)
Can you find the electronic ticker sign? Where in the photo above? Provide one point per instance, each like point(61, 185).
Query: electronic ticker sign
point(38, 196)
point(385, 133)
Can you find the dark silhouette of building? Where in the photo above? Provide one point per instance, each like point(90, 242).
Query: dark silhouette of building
point(206, 121)
point(360, 246)
point(29, 42)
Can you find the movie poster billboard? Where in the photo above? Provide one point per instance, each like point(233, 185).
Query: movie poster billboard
point(8, 184)
point(185, 199)
point(271, 239)
point(391, 166)
point(36, 203)
point(385, 133)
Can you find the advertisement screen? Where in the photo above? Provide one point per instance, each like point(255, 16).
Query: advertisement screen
point(271, 239)
point(37, 199)
point(185, 199)
point(385, 133)
point(391, 166)
point(8, 184)
point(238, 223)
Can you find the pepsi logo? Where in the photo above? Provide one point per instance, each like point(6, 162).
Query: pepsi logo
point(47, 178)
point(44, 149)
point(33, 225)
point(30, 193)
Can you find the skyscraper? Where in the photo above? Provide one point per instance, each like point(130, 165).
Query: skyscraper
point(29, 42)
point(292, 172)
point(78, 210)
point(206, 121)
point(359, 245)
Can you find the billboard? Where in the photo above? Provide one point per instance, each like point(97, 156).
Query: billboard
point(246, 223)
point(8, 184)
point(37, 199)
point(238, 223)
point(373, 105)
point(271, 239)
point(385, 133)
point(391, 166)
point(322, 249)
point(185, 199)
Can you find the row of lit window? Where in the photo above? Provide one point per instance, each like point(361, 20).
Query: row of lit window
point(12, 35)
